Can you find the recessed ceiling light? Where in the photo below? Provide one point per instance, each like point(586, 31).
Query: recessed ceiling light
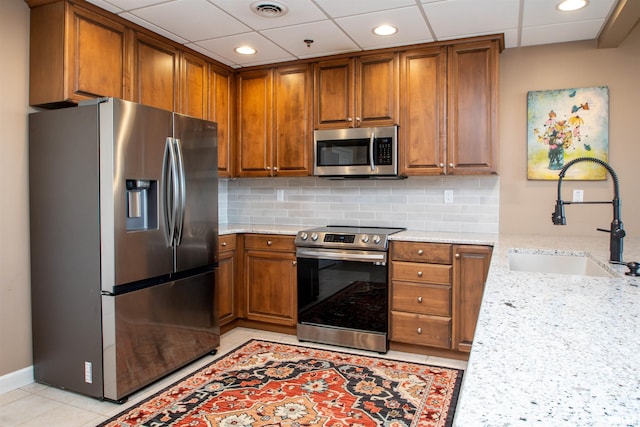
point(569, 5)
point(245, 50)
point(385, 30)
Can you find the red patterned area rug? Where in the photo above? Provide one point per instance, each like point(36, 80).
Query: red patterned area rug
point(264, 384)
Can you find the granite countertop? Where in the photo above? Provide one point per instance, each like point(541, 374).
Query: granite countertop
point(549, 349)
point(553, 349)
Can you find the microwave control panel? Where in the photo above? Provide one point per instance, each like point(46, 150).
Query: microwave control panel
point(383, 151)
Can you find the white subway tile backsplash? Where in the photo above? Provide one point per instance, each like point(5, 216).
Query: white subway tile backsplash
point(416, 203)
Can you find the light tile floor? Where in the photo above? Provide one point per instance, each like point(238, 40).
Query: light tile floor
point(38, 405)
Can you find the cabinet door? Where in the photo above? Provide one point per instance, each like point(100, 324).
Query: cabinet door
point(225, 282)
point(255, 123)
point(470, 268)
point(376, 87)
point(75, 54)
point(194, 77)
point(473, 107)
point(333, 94)
point(271, 287)
point(292, 121)
point(423, 100)
point(221, 111)
point(155, 72)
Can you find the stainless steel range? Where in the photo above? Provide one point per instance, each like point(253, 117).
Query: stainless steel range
point(343, 291)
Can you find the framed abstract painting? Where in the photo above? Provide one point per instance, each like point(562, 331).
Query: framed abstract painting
point(565, 124)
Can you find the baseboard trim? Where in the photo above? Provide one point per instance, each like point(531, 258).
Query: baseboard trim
point(16, 379)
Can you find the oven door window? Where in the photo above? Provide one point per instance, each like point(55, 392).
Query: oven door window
point(343, 294)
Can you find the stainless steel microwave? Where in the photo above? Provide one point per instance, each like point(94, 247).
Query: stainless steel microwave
point(356, 152)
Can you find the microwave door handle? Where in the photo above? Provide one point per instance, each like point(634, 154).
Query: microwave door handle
point(371, 157)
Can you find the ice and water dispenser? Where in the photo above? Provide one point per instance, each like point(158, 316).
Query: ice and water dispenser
point(142, 204)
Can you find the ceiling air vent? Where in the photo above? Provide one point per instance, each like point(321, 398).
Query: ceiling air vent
point(269, 9)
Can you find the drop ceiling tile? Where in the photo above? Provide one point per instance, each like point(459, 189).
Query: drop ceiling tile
point(106, 6)
point(411, 28)
point(327, 38)
point(192, 19)
point(267, 52)
point(340, 8)
point(127, 5)
point(149, 26)
point(454, 18)
point(299, 11)
point(558, 33)
point(544, 12)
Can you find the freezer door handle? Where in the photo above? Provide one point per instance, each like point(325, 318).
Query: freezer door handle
point(170, 185)
point(181, 199)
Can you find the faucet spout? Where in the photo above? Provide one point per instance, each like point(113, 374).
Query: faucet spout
point(616, 231)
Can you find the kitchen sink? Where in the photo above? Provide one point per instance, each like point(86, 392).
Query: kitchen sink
point(551, 262)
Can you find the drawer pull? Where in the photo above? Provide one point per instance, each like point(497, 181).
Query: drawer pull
point(294, 263)
point(420, 251)
point(419, 331)
point(224, 243)
point(420, 300)
point(269, 243)
point(457, 256)
point(419, 273)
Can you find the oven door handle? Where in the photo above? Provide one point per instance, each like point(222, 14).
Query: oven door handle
point(341, 255)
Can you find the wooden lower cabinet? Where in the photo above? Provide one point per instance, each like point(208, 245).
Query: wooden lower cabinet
point(435, 293)
point(270, 276)
point(225, 292)
point(471, 265)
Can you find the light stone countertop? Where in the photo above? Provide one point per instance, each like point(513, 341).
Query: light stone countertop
point(549, 349)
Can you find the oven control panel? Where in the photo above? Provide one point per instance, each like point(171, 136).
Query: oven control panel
point(339, 238)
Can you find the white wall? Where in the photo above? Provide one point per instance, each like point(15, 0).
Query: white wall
point(15, 313)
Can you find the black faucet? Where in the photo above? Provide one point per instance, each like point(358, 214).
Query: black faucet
point(616, 230)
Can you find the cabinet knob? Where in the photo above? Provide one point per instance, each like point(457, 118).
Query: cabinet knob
point(419, 331)
point(420, 251)
point(451, 165)
point(349, 119)
point(269, 243)
point(420, 300)
point(419, 273)
point(441, 165)
point(457, 256)
point(358, 119)
point(275, 168)
point(224, 243)
point(294, 263)
point(268, 168)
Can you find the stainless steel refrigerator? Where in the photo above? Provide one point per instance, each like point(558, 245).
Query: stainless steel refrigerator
point(124, 229)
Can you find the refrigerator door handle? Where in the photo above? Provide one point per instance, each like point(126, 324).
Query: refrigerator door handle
point(181, 199)
point(170, 185)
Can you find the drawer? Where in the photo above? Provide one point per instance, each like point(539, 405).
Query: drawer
point(436, 253)
point(271, 242)
point(227, 242)
point(419, 272)
point(421, 329)
point(421, 299)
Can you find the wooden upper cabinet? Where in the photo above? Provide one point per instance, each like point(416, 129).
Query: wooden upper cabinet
point(377, 90)
point(473, 107)
point(423, 99)
point(194, 78)
point(255, 89)
point(357, 92)
point(221, 110)
point(155, 72)
point(75, 54)
point(333, 94)
point(292, 120)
